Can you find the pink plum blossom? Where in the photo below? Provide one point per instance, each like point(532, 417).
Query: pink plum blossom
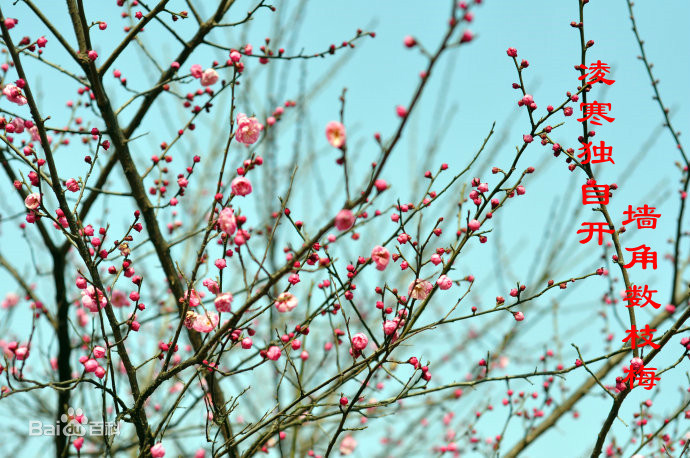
point(119, 299)
point(227, 221)
point(205, 322)
point(344, 220)
point(348, 445)
point(72, 185)
point(192, 296)
point(223, 302)
point(209, 77)
point(32, 201)
point(241, 186)
point(158, 451)
point(335, 133)
point(212, 286)
point(444, 282)
point(34, 134)
point(273, 353)
point(286, 302)
point(90, 301)
point(389, 327)
point(98, 352)
point(380, 256)
point(419, 289)
point(18, 124)
point(360, 341)
point(14, 94)
point(11, 299)
point(22, 353)
point(196, 71)
point(248, 129)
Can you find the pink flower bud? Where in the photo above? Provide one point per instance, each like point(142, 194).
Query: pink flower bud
point(344, 220)
point(209, 77)
point(241, 186)
point(32, 201)
point(444, 282)
point(360, 341)
point(273, 353)
point(158, 451)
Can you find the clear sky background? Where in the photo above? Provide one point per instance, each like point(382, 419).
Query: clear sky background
point(471, 89)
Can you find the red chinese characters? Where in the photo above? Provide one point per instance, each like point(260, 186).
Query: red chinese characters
point(640, 217)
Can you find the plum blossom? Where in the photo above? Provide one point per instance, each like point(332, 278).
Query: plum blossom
point(211, 285)
point(158, 451)
point(335, 133)
point(193, 297)
point(72, 185)
point(419, 289)
point(22, 353)
point(444, 282)
point(248, 129)
point(34, 134)
point(227, 221)
point(273, 353)
point(348, 445)
point(205, 322)
point(344, 220)
point(241, 186)
point(286, 302)
point(189, 319)
point(360, 341)
point(10, 22)
point(89, 300)
point(209, 77)
point(389, 327)
point(196, 71)
point(636, 364)
point(11, 299)
point(14, 94)
point(18, 124)
point(380, 256)
point(119, 299)
point(223, 302)
point(32, 201)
